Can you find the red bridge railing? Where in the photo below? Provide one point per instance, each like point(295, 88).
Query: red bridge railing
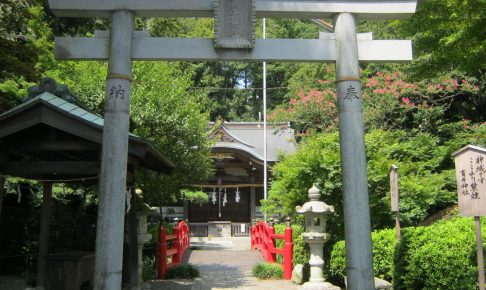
point(172, 246)
point(263, 238)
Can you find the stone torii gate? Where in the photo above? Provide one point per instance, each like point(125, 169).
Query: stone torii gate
point(234, 40)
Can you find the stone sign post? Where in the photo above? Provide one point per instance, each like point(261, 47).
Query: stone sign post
point(471, 189)
point(234, 41)
point(395, 197)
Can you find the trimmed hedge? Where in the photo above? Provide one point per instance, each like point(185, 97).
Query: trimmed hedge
point(184, 271)
point(384, 243)
point(268, 271)
point(440, 256)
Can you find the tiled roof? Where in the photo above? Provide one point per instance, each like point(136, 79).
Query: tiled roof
point(248, 137)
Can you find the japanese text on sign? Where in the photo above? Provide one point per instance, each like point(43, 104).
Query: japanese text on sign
point(471, 184)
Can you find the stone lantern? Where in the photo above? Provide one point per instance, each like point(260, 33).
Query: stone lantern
point(143, 211)
point(316, 214)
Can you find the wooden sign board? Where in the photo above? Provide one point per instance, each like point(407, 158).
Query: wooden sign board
point(394, 189)
point(471, 180)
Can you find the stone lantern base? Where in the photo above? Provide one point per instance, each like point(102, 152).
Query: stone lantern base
point(318, 286)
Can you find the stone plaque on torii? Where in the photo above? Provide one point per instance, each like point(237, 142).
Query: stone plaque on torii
point(234, 30)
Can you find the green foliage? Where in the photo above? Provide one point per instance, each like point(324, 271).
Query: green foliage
point(427, 183)
point(185, 271)
point(149, 268)
point(75, 217)
point(441, 256)
point(162, 111)
point(268, 271)
point(448, 35)
point(198, 197)
point(175, 122)
point(301, 252)
point(384, 243)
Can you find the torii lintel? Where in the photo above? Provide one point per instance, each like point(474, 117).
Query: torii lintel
point(372, 9)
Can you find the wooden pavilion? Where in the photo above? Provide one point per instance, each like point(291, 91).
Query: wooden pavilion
point(236, 188)
point(52, 138)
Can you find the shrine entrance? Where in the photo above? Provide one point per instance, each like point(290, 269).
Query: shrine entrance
point(224, 207)
point(234, 30)
point(236, 187)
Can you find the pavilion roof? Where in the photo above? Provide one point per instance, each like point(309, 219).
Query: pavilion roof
point(62, 132)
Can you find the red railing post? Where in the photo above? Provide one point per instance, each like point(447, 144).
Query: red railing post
point(270, 242)
point(263, 238)
point(252, 234)
point(186, 236)
point(176, 244)
point(162, 265)
point(288, 251)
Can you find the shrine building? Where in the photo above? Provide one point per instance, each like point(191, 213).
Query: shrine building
point(236, 189)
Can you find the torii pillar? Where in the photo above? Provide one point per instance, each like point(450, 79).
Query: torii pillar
point(111, 208)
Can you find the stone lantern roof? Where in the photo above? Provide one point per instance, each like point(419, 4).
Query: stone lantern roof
point(315, 205)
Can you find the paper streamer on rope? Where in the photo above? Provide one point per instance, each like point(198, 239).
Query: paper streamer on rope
point(213, 196)
point(237, 197)
point(225, 198)
point(129, 197)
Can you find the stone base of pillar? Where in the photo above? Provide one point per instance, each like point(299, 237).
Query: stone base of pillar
point(318, 286)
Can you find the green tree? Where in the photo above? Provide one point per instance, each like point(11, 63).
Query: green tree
point(18, 50)
point(448, 35)
point(427, 182)
point(163, 110)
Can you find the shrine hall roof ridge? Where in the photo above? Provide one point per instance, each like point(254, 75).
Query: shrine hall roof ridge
point(89, 118)
point(249, 138)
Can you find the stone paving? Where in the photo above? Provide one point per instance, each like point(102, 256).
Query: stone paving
point(223, 264)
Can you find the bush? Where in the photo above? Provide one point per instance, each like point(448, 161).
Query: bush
point(301, 249)
point(384, 243)
point(268, 271)
point(441, 256)
point(148, 268)
point(186, 271)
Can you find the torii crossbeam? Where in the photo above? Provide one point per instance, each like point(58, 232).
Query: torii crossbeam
point(234, 42)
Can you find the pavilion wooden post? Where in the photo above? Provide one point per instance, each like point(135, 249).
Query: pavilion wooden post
point(44, 233)
point(252, 200)
point(3, 179)
point(132, 232)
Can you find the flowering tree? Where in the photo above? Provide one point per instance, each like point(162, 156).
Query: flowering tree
point(389, 102)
